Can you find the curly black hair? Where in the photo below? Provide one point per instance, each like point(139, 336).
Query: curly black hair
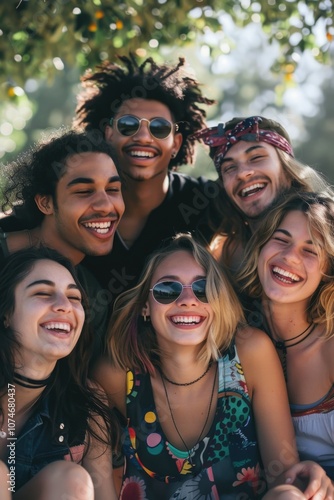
point(110, 85)
point(38, 170)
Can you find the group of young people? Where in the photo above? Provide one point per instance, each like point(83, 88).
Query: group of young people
point(179, 352)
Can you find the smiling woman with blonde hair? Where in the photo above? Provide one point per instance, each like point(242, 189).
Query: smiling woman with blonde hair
point(192, 382)
point(289, 271)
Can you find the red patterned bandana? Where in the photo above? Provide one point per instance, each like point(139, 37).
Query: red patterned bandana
point(221, 140)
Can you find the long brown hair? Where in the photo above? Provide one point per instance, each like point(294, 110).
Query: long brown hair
point(319, 211)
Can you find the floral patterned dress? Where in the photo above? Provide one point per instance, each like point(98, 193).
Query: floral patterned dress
point(225, 464)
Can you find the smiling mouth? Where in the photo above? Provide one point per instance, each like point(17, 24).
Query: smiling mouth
point(251, 190)
point(285, 276)
point(186, 320)
point(99, 227)
point(59, 327)
point(141, 154)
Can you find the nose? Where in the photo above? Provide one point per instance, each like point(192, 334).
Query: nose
point(143, 132)
point(245, 171)
point(187, 296)
point(102, 202)
point(62, 303)
point(292, 254)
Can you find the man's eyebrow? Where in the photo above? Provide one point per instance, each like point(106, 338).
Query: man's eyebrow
point(89, 180)
point(284, 231)
point(251, 148)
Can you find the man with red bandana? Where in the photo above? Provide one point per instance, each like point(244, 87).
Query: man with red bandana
point(149, 113)
point(255, 161)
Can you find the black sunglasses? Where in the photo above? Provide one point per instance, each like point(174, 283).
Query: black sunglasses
point(166, 292)
point(159, 128)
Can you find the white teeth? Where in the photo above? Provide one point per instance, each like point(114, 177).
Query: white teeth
point(58, 326)
point(251, 188)
point(287, 274)
point(142, 154)
point(186, 319)
point(99, 227)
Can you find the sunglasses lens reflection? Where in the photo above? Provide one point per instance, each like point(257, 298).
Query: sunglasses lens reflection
point(129, 125)
point(167, 292)
point(160, 128)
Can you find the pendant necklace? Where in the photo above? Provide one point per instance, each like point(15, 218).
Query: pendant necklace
point(173, 419)
point(282, 345)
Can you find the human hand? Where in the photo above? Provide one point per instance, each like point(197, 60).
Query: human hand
point(318, 485)
point(284, 492)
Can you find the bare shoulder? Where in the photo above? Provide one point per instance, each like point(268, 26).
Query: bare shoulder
point(112, 380)
point(258, 358)
point(250, 341)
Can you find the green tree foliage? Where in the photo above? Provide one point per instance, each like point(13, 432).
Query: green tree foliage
point(39, 37)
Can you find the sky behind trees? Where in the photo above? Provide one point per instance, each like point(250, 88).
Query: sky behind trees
point(266, 57)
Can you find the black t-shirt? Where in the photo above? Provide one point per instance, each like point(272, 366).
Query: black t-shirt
point(183, 210)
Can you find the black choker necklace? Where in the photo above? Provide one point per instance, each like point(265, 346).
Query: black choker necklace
point(187, 383)
point(282, 346)
point(30, 383)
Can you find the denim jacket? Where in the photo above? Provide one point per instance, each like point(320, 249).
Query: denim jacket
point(38, 444)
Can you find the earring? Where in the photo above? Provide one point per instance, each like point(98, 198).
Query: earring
point(173, 155)
point(147, 319)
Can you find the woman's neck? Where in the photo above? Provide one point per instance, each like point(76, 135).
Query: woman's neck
point(285, 320)
point(183, 367)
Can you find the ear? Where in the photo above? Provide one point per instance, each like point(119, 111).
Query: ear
point(146, 310)
point(6, 321)
point(108, 132)
point(44, 203)
point(178, 138)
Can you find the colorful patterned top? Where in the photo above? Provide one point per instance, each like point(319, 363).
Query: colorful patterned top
point(225, 463)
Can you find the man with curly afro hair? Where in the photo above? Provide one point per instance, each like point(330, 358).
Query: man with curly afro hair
point(149, 113)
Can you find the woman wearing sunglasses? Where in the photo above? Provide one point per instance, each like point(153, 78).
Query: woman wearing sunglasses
point(193, 384)
point(55, 430)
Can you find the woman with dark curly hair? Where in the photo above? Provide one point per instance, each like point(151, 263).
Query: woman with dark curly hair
point(149, 113)
point(55, 429)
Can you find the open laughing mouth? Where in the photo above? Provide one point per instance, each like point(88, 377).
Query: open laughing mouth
point(99, 227)
point(58, 327)
point(285, 276)
point(186, 320)
point(141, 154)
point(251, 190)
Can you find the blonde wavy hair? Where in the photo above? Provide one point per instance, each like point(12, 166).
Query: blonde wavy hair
point(319, 210)
point(132, 341)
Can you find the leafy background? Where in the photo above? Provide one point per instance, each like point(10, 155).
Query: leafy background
point(266, 57)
